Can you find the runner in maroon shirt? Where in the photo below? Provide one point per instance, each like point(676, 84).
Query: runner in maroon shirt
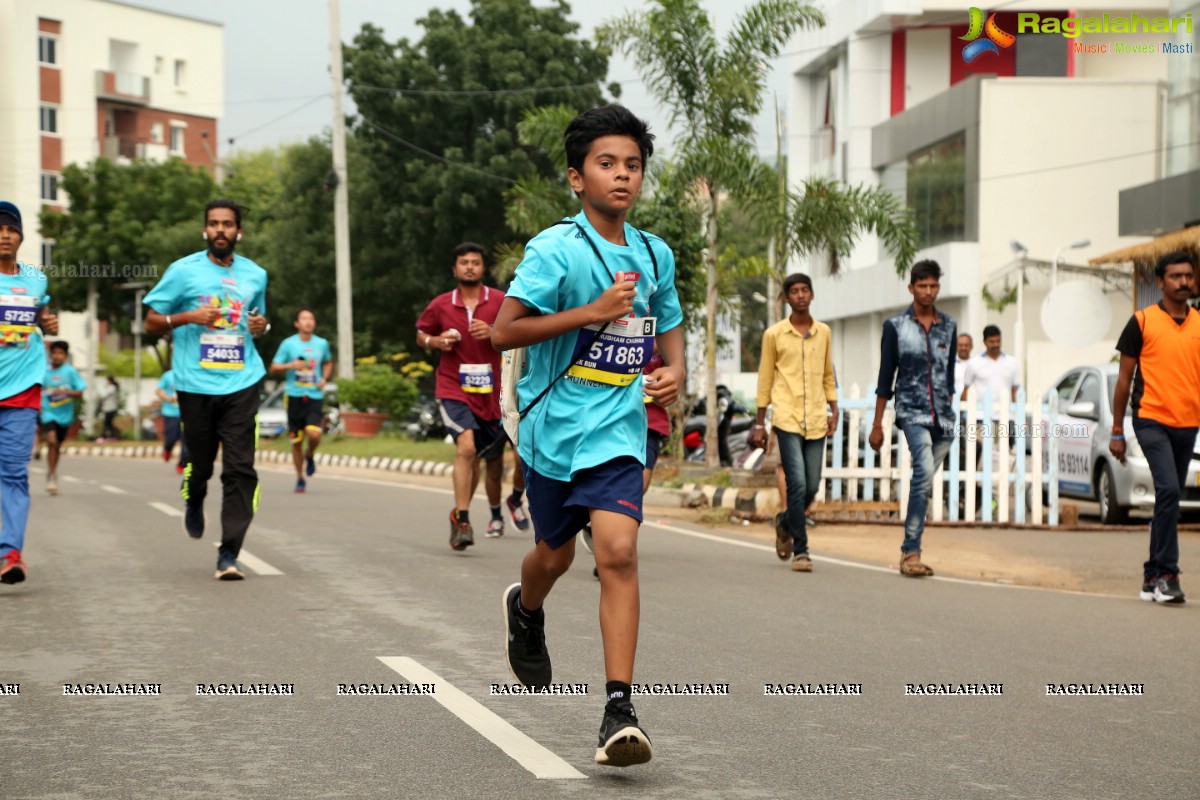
point(459, 324)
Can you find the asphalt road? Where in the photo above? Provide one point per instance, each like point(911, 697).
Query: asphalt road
point(118, 594)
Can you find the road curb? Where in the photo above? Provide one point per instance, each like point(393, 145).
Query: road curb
point(758, 503)
point(408, 465)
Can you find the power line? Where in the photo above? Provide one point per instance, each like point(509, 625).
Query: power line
point(416, 149)
point(282, 116)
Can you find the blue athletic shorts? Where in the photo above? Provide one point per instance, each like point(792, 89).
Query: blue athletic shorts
point(457, 416)
point(559, 509)
point(654, 443)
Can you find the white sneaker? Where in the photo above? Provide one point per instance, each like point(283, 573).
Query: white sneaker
point(52, 484)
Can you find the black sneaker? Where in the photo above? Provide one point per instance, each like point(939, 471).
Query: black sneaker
point(1166, 589)
point(525, 644)
point(623, 743)
point(227, 569)
point(462, 535)
point(310, 465)
point(194, 520)
point(1147, 590)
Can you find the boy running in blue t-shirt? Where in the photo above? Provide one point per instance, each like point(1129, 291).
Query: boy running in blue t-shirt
point(59, 390)
point(588, 300)
point(308, 362)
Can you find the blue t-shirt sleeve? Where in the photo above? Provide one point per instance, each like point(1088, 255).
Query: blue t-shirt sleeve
point(163, 383)
point(664, 303)
point(539, 278)
point(283, 354)
point(167, 296)
point(78, 384)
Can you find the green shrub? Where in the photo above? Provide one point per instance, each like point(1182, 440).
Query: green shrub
point(378, 388)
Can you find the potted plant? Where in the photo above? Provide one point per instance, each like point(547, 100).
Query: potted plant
point(371, 396)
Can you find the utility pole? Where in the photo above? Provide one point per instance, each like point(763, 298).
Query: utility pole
point(341, 204)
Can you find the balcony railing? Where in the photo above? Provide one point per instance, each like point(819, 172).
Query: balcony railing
point(115, 147)
point(128, 87)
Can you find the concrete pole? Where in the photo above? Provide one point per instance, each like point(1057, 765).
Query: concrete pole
point(341, 204)
point(137, 363)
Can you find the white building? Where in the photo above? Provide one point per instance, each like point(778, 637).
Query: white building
point(85, 78)
point(1030, 141)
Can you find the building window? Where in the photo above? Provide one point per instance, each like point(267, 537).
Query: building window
point(47, 49)
point(180, 73)
point(49, 187)
point(936, 181)
point(177, 131)
point(49, 119)
point(47, 254)
point(158, 65)
point(156, 133)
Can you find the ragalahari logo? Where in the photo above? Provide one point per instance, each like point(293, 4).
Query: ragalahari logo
point(996, 38)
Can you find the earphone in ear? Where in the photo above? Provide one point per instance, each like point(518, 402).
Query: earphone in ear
point(204, 236)
point(239, 237)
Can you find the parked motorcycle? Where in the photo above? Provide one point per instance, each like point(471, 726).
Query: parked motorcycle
point(425, 422)
point(734, 422)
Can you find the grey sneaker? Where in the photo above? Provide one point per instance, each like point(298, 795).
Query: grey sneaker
point(227, 569)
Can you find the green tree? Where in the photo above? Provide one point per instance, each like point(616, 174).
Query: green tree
point(437, 126)
point(713, 93)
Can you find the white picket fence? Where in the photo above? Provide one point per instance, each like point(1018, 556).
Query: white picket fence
point(1002, 483)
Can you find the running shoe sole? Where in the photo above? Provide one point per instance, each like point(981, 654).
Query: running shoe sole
point(15, 574)
point(230, 573)
point(625, 747)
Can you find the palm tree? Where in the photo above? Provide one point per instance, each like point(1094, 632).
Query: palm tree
point(713, 93)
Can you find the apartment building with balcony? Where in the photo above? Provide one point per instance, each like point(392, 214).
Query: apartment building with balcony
point(89, 78)
point(1031, 140)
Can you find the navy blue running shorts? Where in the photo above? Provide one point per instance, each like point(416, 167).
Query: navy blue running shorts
point(559, 509)
point(457, 416)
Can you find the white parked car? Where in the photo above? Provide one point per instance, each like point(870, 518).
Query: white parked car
point(1086, 468)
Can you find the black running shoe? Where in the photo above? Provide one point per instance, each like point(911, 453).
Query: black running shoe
point(1166, 589)
point(1147, 592)
point(623, 743)
point(310, 465)
point(525, 644)
point(193, 520)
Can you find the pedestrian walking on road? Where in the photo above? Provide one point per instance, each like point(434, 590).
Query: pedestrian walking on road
point(795, 377)
point(213, 302)
point(1160, 355)
point(587, 301)
point(917, 359)
point(23, 301)
point(110, 404)
point(307, 363)
point(468, 398)
point(62, 385)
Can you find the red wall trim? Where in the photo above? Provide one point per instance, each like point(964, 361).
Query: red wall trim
point(898, 60)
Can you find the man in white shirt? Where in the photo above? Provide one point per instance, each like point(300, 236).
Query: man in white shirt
point(964, 346)
point(993, 369)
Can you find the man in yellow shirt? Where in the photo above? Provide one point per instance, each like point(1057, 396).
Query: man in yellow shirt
point(795, 376)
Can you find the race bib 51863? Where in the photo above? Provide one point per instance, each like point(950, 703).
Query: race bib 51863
point(617, 355)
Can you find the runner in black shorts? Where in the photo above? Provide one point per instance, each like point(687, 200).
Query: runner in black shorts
point(459, 324)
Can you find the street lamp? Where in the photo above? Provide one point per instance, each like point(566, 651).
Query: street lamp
point(1019, 333)
point(1054, 265)
point(138, 329)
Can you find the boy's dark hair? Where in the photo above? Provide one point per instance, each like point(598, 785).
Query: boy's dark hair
point(991, 330)
point(224, 203)
point(793, 279)
point(467, 247)
point(1176, 257)
point(301, 310)
point(925, 269)
point(59, 344)
point(611, 120)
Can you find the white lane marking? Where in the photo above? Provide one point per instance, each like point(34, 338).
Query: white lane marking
point(515, 744)
point(762, 547)
point(256, 564)
point(112, 489)
point(875, 567)
point(69, 479)
point(170, 511)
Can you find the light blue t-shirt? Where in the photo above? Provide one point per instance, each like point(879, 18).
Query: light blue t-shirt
point(57, 406)
point(315, 352)
point(167, 384)
point(595, 413)
point(219, 359)
point(22, 350)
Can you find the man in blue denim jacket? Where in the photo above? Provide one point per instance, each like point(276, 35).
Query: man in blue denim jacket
point(917, 357)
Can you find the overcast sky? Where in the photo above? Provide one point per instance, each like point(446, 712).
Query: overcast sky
point(277, 82)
